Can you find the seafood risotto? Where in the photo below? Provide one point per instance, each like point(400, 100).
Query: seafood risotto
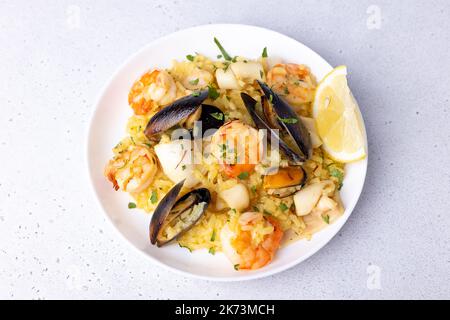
point(226, 156)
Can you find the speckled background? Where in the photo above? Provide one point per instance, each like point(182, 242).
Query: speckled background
point(55, 57)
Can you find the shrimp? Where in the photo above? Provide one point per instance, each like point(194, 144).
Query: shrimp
point(237, 147)
point(254, 243)
point(132, 170)
point(152, 90)
point(293, 81)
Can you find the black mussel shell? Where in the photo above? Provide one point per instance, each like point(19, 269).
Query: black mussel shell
point(288, 119)
point(211, 118)
point(188, 210)
point(250, 103)
point(174, 113)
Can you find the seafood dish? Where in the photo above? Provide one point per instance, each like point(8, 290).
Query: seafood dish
point(231, 155)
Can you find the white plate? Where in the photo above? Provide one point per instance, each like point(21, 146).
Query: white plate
point(108, 127)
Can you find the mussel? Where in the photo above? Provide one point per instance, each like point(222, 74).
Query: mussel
point(295, 157)
point(185, 112)
point(289, 120)
point(172, 217)
point(285, 182)
point(294, 139)
point(211, 117)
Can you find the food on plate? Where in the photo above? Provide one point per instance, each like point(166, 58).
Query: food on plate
point(236, 155)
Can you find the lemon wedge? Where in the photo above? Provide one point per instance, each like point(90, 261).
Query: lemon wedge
point(338, 119)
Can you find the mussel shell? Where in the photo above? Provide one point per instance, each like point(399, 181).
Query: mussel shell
point(211, 118)
point(250, 103)
point(288, 189)
point(198, 199)
point(296, 129)
point(174, 113)
point(269, 114)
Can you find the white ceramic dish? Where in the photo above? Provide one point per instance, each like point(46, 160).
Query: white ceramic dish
point(110, 117)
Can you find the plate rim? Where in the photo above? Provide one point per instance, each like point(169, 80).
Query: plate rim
point(252, 276)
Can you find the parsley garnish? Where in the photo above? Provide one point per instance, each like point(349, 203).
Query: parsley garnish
point(212, 251)
point(181, 246)
point(219, 56)
point(326, 218)
point(190, 57)
point(283, 207)
point(286, 90)
point(154, 197)
point(217, 115)
point(183, 167)
point(288, 120)
point(264, 53)
point(212, 92)
point(213, 236)
point(225, 54)
point(253, 188)
point(194, 82)
point(267, 213)
point(131, 205)
point(236, 267)
point(337, 174)
point(261, 74)
point(243, 175)
point(195, 94)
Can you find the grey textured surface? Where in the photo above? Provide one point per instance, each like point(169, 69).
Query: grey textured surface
point(55, 242)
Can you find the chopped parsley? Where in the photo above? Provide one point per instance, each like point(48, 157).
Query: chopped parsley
point(212, 251)
point(194, 82)
point(154, 197)
point(131, 205)
point(217, 115)
point(234, 59)
point(261, 73)
point(326, 218)
point(236, 267)
point(190, 57)
point(334, 172)
point(213, 93)
point(243, 175)
point(225, 54)
point(288, 120)
point(213, 236)
point(195, 94)
point(283, 207)
point(264, 53)
point(271, 98)
point(219, 56)
point(253, 188)
point(286, 90)
point(224, 150)
point(181, 246)
point(183, 167)
point(267, 213)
